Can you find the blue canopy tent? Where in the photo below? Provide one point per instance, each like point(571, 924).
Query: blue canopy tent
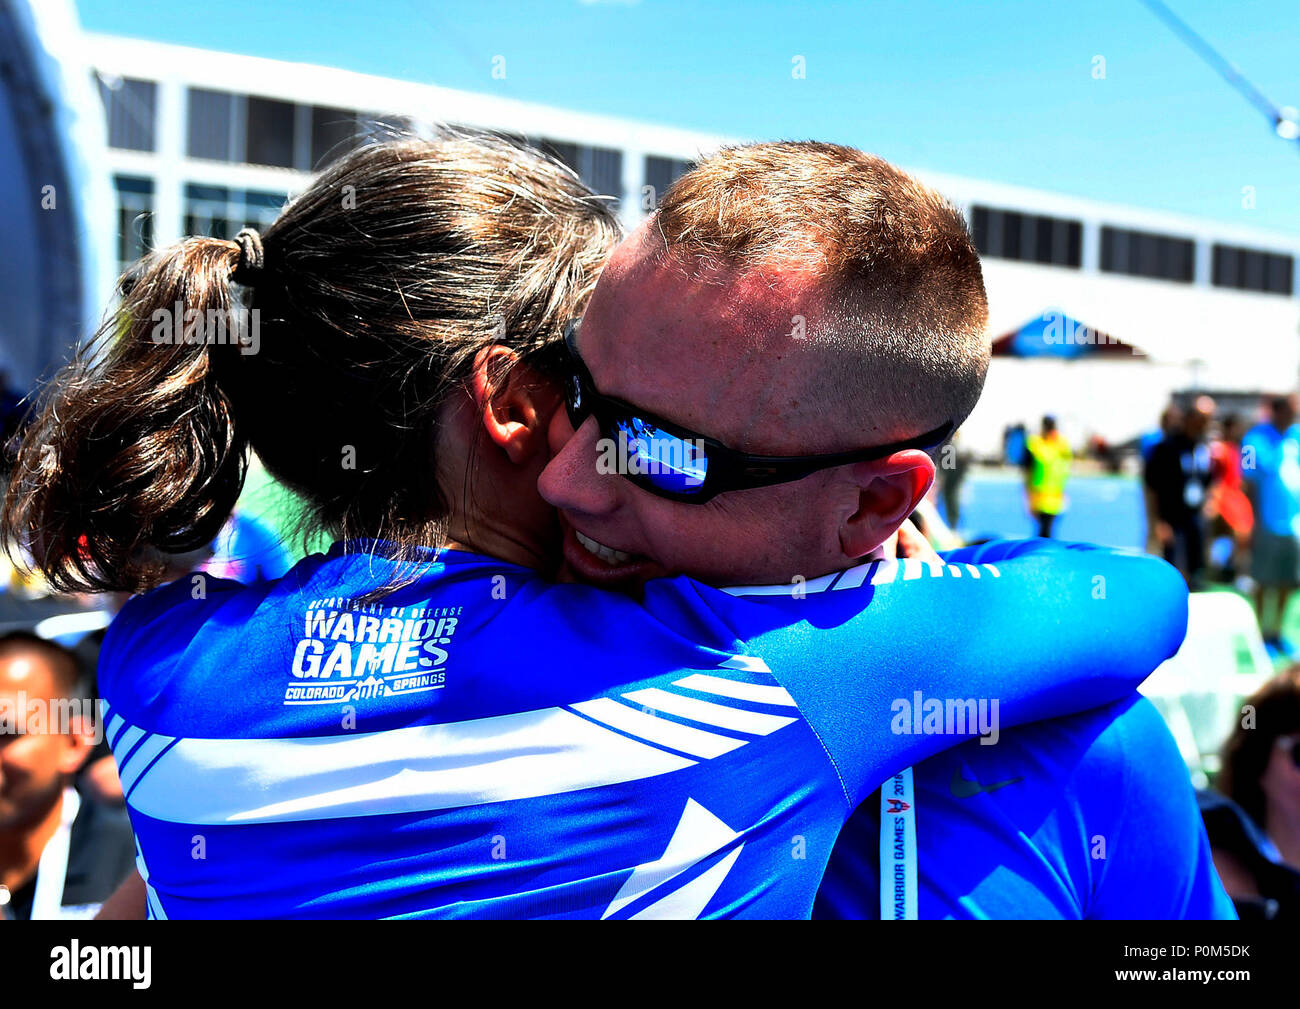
point(1055, 334)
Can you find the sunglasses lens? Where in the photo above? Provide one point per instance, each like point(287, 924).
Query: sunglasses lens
point(573, 400)
point(661, 460)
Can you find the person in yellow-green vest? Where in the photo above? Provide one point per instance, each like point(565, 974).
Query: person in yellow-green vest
point(1047, 465)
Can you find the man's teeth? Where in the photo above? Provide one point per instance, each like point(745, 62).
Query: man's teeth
point(607, 554)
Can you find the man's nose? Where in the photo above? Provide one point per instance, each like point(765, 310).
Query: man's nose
point(571, 480)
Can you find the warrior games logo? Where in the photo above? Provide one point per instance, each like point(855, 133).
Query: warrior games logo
point(352, 651)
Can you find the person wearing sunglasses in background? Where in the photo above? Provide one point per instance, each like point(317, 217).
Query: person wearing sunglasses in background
point(418, 723)
point(1254, 816)
point(781, 346)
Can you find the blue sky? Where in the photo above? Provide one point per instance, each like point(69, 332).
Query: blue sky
point(1001, 90)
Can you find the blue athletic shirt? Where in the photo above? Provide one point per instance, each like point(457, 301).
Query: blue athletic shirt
point(485, 743)
point(1086, 816)
point(1271, 461)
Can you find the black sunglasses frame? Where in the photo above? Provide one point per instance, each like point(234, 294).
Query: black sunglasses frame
point(728, 469)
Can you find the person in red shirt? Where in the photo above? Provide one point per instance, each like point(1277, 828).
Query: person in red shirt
point(1229, 507)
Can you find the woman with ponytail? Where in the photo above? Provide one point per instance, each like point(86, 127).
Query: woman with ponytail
point(327, 346)
point(135, 455)
point(418, 722)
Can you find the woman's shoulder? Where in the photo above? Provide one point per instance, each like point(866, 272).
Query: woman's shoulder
point(154, 629)
point(178, 640)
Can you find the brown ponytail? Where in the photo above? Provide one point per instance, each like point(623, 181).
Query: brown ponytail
point(372, 293)
point(134, 451)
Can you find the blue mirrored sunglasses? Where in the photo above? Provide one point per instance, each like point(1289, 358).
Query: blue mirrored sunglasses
point(672, 462)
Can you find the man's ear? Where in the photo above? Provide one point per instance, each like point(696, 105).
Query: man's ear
point(888, 492)
point(514, 402)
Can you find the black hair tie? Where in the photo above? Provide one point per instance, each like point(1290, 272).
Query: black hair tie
point(252, 259)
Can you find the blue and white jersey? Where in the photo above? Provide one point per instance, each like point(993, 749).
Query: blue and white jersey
point(1087, 816)
point(1270, 460)
point(482, 743)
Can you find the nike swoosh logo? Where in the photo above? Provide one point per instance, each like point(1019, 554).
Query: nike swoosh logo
point(964, 788)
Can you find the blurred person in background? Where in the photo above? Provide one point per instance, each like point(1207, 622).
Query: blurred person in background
point(1171, 420)
point(1013, 445)
point(954, 464)
point(1047, 464)
point(61, 853)
point(1254, 824)
point(1270, 467)
point(1178, 477)
point(1232, 517)
point(1100, 448)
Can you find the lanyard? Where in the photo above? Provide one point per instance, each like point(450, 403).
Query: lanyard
point(52, 871)
point(898, 848)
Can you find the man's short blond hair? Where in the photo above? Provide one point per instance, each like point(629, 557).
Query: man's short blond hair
point(908, 314)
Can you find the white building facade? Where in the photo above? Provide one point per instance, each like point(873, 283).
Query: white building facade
point(205, 142)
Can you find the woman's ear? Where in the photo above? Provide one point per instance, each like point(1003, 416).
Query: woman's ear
point(514, 402)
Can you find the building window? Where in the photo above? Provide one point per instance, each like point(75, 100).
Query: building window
point(601, 168)
point(260, 131)
point(262, 208)
point(333, 134)
point(269, 136)
point(1033, 238)
point(134, 218)
point(213, 133)
point(219, 212)
point(561, 150)
point(1253, 270)
point(1144, 254)
point(660, 173)
point(131, 109)
point(208, 211)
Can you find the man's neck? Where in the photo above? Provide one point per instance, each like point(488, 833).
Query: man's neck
point(21, 847)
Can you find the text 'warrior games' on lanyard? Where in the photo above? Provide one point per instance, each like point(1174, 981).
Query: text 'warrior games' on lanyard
point(898, 848)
